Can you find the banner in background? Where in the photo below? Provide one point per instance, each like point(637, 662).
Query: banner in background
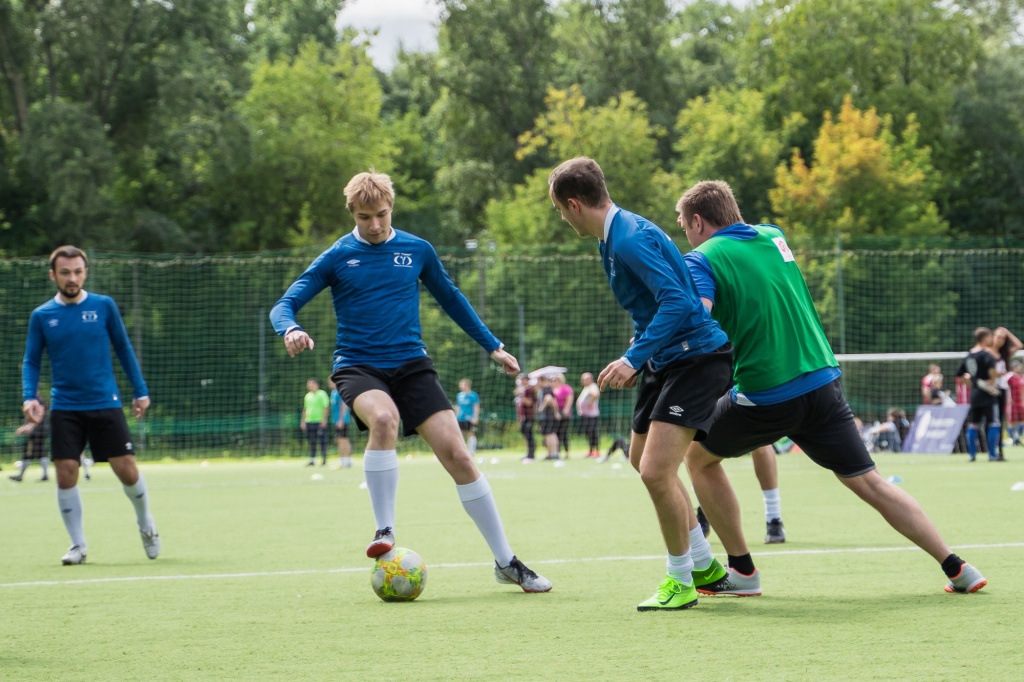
point(935, 429)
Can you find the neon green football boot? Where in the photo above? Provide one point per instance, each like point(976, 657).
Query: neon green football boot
point(712, 574)
point(672, 595)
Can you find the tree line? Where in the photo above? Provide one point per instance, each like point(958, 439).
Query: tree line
point(218, 127)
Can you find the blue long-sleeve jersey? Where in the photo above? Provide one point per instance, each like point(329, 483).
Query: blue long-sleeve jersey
point(650, 280)
point(78, 337)
point(375, 289)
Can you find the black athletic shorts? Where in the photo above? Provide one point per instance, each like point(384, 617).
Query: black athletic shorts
point(414, 387)
point(548, 424)
point(987, 413)
point(467, 427)
point(684, 393)
point(820, 422)
point(106, 432)
point(341, 431)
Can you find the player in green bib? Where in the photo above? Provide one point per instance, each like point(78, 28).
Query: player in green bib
point(786, 378)
point(316, 409)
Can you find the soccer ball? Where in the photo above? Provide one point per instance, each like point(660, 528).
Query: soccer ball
point(399, 575)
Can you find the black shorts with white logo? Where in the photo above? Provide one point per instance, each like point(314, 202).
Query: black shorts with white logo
point(684, 393)
point(414, 387)
point(820, 422)
point(106, 432)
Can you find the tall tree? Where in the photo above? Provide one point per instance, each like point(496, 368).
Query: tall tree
point(314, 122)
point(280, 29)
point(901, 57)
point(862, 181)
point(130, 72)
point(617, 135)
point(726, 136)
point(494, 65)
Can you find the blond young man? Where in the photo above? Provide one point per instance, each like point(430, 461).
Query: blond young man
point(381, 367)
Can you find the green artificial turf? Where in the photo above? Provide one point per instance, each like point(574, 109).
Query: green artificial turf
point(263, 577)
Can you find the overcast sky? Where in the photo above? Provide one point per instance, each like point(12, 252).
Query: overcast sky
point(411, 23)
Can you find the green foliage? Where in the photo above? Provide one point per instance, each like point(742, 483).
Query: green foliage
point(726, 136)
point(618, 135)
point(208, 148)
point(862, 181)
point(69, 160)
point(984, 191)
point(313, 122)
point(280, 29)
point(616, 46)
point(494, 73)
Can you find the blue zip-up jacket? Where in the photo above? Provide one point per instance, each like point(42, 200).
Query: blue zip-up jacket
point(78, 337)
point(650, 280)
point(376, 294)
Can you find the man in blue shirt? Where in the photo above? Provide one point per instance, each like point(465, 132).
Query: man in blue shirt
point(77, 329)
point(468, 404)
point(684, 356)
point(381, 367)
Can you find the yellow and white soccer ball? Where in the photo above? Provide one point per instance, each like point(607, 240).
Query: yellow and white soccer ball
point(399, 575)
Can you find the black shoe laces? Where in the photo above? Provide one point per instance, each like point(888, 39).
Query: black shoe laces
point(382, 532)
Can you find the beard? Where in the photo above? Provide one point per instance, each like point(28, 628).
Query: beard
point(69, 290)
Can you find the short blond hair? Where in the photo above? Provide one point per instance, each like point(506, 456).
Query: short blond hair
point(369, 189)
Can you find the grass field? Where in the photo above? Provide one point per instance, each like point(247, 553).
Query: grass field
point(263, 577)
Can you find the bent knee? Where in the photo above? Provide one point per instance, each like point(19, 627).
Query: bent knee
point(383, 421)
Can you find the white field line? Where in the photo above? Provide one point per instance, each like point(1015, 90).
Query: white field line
point(363, 569)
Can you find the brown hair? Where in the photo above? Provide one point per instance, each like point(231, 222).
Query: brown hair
point(369, 189)
point(68, 251)
point(581, 179)
point(982, 333)
point(713, 201)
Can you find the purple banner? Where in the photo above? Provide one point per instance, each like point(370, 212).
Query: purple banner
point(935, 429)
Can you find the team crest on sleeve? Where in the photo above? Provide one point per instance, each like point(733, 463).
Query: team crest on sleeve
point(783, 247)
point(403, 260)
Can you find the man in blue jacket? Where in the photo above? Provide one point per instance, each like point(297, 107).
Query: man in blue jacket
point(77, 329)
point(683, 355)
point(381, 367)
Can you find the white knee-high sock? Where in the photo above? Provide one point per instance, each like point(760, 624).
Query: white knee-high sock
point(681, 567)
point(70, 503)
point(45, 463)
point(472, 444)
point(700, 548)
point(139, 496)
point(478, 501)
point(772, 504)
point(381, 470)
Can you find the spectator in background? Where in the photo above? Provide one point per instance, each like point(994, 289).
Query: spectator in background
point(926, 383)
point(936, 394)
point(1005, 345)
point(587, 408)
point(978, 370)
point(35, 444)
point(467, 404)
point(548, 415)
point(563, 398)
point(340, 418)
point(526, 410)
point(1015, 410)
point(888, 436)
point(316, 410)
